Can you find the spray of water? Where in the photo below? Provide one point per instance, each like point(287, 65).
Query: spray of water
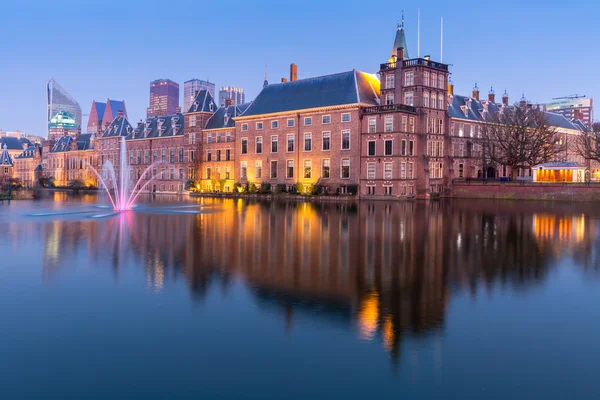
point(119, 186)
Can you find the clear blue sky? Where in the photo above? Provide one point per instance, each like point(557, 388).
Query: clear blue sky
point(115, 48)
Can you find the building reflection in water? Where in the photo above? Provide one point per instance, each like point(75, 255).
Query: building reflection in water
point(387, 270)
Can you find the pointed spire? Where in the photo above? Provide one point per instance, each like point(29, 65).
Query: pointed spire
point(476, 87)
point(400, 40)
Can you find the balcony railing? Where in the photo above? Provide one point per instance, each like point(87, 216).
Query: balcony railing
point(413, 63)
point(389, 108)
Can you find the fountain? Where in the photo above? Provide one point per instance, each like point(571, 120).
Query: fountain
point(121, 192)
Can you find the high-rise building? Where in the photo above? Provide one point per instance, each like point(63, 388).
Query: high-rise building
point(230, 92)
point(164, 98)
point(192, 87)
point(59, 100)
point(573, 108)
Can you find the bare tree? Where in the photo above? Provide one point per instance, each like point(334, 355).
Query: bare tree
point(519, 137)
point(587, 145)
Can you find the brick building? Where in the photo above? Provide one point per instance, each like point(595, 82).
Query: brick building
point(218, 149)
point(201, 109)
point(6, 166)
point(305, 132)
point(102, 114)
point(27, 166)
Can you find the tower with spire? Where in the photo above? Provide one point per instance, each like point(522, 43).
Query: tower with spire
point(400, 40)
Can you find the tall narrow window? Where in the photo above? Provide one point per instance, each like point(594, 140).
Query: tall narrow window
point(388, 147)
point(403, 149)
point(372, 125)
point(390, 81)
point(426, 78)
point(411, 124)
point(326, 168)
point(259, 143)
point(411, 148)
point(387, 171)
point(290, 143)
point(307, 169)
point(273, 169)
point(345, 168)
point(389, 123)
point(345, 140)
point(290, 169)
point(218, 155)
point(410, 170)
point(371, 171)
point(244, 145)
point(307, 141)
point(426, 99)
point(243, 169)
point(274, 140)
point(409, 78)
point(371, 149)
point(228, 155)
point(258, 169)
point(326, 140)
point(409, 98)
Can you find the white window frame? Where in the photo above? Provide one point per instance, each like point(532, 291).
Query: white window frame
point(323, 119)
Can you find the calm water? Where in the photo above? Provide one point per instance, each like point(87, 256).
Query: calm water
point(235, 299)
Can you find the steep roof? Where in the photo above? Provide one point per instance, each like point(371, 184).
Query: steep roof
point(170, 125)
point(63, 144)
point(5, 157)
point(116, 105)
point(84, 141)
point(119, 127)
point(224, 116)
point(474, 111)
point(30, 152)
point(400, 41)
point(203, 102)
point(100, 107)
point(345, 88)
point(13, 143)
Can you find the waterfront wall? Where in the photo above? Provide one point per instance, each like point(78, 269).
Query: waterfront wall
point(526, 191)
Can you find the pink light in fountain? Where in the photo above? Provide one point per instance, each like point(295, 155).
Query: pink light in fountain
point(118, 184)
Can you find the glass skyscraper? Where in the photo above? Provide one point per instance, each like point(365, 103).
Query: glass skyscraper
point(164, 98)
point(230, 92)
point(59, 100)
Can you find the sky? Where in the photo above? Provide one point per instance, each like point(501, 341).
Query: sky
point(99, 49)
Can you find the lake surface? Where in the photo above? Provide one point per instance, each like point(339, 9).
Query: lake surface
point(232, 299)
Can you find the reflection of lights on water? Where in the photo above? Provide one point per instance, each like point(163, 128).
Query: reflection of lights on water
point(389, 334)
point(368, 315)
point(459, 241)
point(155, 273)
point(561, 228)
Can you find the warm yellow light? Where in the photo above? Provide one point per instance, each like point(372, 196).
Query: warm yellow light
point(368, 315)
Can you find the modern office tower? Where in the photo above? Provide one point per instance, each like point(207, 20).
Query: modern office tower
point(59, 100)
point(193, 86)
point(573, 108)
point(230, 92)
point(164, 98)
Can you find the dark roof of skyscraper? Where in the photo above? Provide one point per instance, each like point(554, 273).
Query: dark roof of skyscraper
point(224, 116)
point(345, 88)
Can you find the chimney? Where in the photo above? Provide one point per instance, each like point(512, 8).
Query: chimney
point(284, 80)
point(229, 102)
point(492, 96)
point(400, 53)
point(476, 92)
point(120, 113)
point(505, 98)
point(293, 72)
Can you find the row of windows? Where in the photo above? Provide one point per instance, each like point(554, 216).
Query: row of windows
point(388, 148)
point(307, 172)
point(435, 148)
point(433, 80)
point(406, 171)
point(389, 190)
point(469, 130)
point(439, 104)
point(436, 170)
point(290, 143)
point(291, 122)
point(218, 137)
point(172, 156)
point(217, 174)
point(407, 124)
point(209, 154)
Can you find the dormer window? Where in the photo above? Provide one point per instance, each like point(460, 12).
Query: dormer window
point(465, 110)
point(210, 106)
point(196, 105)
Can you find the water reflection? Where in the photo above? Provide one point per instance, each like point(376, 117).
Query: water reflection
point(385, 270)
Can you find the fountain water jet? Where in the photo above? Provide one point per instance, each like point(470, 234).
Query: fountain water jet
point(124, 193)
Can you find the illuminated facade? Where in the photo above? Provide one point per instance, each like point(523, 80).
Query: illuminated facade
point(62, 123)
point(60, 101)
point(164, 98)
